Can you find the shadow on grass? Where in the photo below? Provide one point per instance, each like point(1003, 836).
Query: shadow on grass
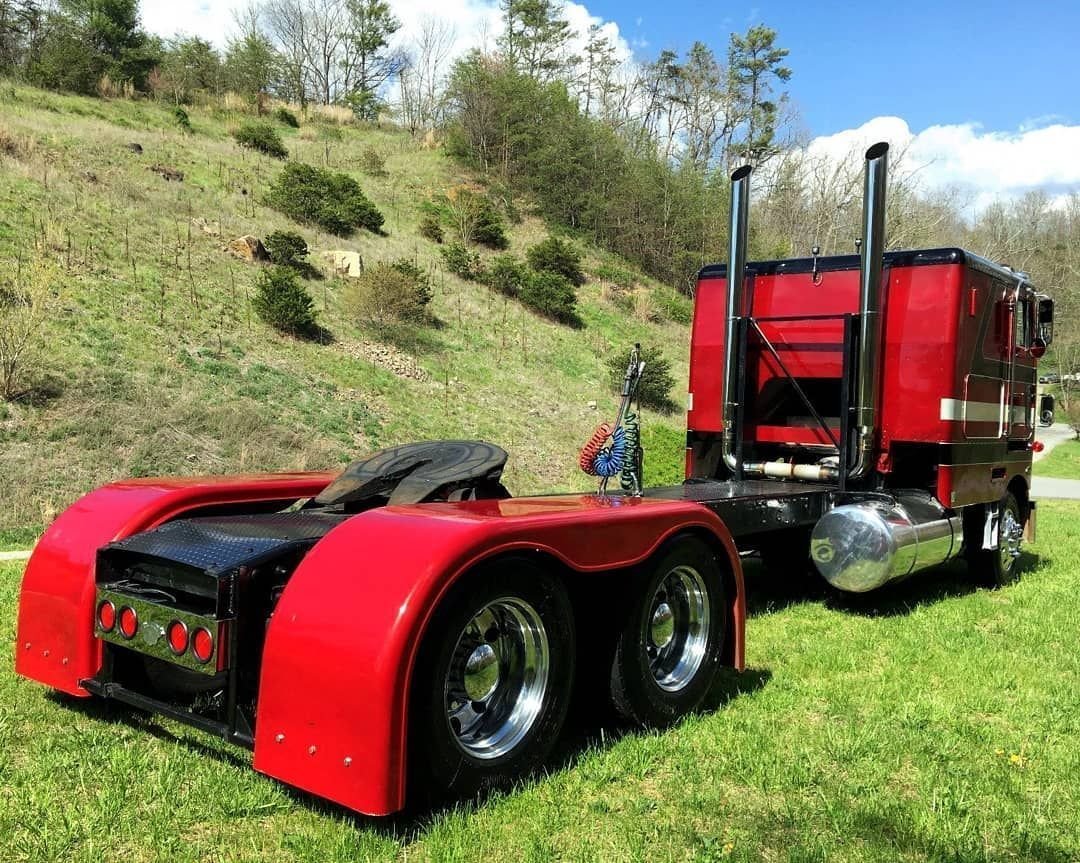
point(900, 837)
point(115, 713)
point(767, 594)
point(41, 393)
point(586, 732)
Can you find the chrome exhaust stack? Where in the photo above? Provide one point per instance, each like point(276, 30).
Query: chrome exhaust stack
point(736, 278)
point(871, 293)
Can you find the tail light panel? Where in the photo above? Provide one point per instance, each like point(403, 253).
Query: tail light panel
point(156, 631)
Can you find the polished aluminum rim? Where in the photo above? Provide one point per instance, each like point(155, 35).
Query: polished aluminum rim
point(1009, 539)
point(677, 632)
point(498, 675)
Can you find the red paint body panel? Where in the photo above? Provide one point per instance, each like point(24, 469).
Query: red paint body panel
point(338, 656)
point(55, 641)
point(945, 362)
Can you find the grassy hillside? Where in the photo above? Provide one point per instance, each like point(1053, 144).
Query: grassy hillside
point(155, 364)
point(938, 723)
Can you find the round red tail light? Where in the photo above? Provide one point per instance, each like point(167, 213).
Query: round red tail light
point(129, 622)
point(106, 615)
point(177, 635)
point(202, 645)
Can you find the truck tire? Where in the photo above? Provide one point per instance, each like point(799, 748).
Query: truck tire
point(996, 567)
point(668, 651)
point(492, 682)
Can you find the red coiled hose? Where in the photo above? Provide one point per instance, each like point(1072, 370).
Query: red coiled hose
point(589, 452)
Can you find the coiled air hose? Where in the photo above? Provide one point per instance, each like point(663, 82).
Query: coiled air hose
point(615, 450)
point(600, 459)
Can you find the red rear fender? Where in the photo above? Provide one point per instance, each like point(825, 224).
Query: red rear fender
point(332, 713)
point(55, 641)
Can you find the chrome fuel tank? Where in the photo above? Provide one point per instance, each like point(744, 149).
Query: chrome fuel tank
point(862, 546)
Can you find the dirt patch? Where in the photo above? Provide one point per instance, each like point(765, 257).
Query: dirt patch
point(168, 173)
point(387, 357)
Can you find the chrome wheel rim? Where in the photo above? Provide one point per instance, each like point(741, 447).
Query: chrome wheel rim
point(1009, 538)
point(677, 629)
point(495, 685)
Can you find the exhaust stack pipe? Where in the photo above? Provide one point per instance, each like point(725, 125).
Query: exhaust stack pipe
point(736, 277)
point(868, 380)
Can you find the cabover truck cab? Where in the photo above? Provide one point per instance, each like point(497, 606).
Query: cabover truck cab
point(407, 629)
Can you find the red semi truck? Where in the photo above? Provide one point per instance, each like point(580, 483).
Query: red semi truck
point(409, 628)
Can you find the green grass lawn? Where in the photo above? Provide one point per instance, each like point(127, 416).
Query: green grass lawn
point(938, 722)
point(1063, 461)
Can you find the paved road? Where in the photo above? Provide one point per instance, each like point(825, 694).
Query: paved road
point(1046, 486)
point(1051, 437)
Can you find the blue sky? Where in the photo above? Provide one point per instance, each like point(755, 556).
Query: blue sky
point(996, 63)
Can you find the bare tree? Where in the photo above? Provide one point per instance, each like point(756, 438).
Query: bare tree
point(423, 82)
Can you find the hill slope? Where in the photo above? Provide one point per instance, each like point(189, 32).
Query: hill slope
point(155, 364)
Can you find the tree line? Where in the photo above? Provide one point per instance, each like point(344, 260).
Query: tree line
point(630, 155)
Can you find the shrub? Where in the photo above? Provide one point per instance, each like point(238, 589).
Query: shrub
point(372, 164)
point(388, 293)
point(674, 306)
point(283, 303)
point(287, 248)
point(557, 256)
point(284, 115)
point(262, 137)
point(489, 230)
point(330, 200)
point(182, 119)
point(461, 262)
point(616, 275)
point(552, 295)
point(24, 309)
point(506, 275)
point(654, 388)
point(431, 228)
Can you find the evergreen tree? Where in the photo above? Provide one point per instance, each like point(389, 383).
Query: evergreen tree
point(754, 62)
point(371, 61)
point(535, 38)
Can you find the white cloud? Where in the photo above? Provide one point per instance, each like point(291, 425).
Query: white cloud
point(476, 23)
point(988, 165)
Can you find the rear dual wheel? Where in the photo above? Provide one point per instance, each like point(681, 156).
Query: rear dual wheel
point(672, 641)
point(493, 681)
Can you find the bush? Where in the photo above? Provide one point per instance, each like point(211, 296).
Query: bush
point(25, 307)
point(552, 295)
point(506, 275)
point(489, 230)
point(284, 115)
point(182, 119)
point(287, 248)
point(674, 306)
point(557, 256)
point(372, 164)
point(461, 262)
point(388, 293)
point(619, 277)
point(262, 137)
point(431, 228)
point(283, 303)
point(654, 388)
point(330, 200)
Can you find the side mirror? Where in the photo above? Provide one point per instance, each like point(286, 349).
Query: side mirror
point(1038, 348)
point(1045, 327)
